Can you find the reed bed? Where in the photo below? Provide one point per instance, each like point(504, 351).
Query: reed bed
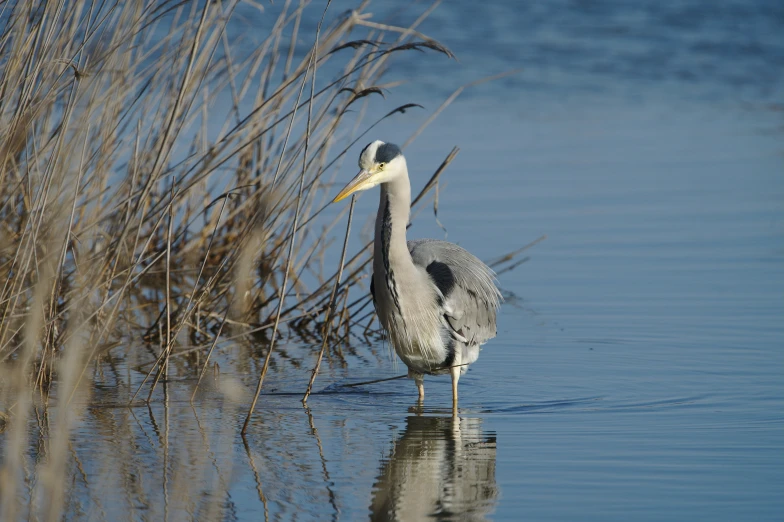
point(161, 189)
point(126, 216)
point(162, 182)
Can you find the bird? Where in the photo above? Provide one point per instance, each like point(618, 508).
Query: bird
point(436, 301)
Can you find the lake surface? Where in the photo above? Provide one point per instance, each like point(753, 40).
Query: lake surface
point(638, 369)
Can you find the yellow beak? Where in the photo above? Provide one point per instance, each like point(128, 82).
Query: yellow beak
point(361, 181)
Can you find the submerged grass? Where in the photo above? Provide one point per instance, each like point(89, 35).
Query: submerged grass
point(160, 191)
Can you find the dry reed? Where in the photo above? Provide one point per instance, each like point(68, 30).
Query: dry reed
point(158, 193)
point(160, 197)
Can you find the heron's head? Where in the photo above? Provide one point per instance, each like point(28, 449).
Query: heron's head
point(379, 163)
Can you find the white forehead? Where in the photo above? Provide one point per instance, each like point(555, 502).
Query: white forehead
point(368, 155)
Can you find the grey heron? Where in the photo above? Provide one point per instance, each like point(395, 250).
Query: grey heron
point(436, 301)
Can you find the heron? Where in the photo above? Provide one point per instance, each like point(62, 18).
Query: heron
point(436, 301)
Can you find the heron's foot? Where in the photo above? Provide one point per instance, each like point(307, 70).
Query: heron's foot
point(418, 408)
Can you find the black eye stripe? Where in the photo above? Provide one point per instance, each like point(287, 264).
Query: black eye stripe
point(387, 152)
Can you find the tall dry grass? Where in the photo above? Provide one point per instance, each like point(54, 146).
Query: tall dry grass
point(152, 171)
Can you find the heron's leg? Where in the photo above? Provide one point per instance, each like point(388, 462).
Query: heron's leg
point(419, 379)
point(455, 371)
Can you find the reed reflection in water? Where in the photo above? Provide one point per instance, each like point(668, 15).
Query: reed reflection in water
point(441, 467)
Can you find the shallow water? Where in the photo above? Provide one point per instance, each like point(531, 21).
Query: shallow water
point(637, 372)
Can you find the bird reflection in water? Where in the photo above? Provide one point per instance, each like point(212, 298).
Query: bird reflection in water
point(442, 468)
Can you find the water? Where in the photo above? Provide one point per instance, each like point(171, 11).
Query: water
point(637, 372)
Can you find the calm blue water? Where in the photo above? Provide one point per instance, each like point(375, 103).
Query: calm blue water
point(638, 369)
point(637, 372)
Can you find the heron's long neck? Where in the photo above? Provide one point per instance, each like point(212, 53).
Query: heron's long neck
point(391, 251)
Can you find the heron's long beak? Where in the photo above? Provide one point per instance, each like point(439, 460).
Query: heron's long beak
point(361, 181)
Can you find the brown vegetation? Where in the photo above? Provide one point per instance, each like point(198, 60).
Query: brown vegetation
point(160, 191)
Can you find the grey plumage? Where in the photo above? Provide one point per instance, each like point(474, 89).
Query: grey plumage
point(467, 284)
point(436, 300)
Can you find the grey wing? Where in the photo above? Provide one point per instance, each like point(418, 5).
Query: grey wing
point(471, 298)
